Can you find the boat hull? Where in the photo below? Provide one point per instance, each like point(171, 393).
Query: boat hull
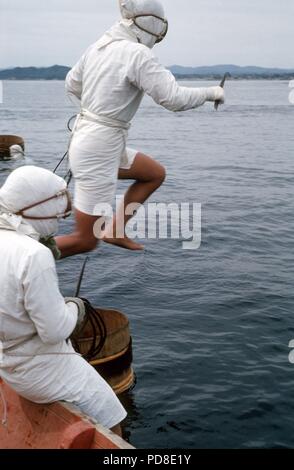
point(56, 426)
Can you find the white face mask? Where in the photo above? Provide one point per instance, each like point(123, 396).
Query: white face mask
point(62, 215)
point(36, 198)
point(159, 36)
point(148, 20)
point(48, 224)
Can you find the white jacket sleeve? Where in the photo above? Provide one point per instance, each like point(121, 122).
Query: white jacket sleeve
point(74, 80)
point(146, 73)
point(53, 318)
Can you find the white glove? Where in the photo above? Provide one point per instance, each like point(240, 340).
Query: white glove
point(16, 152)
point(216, 93)
point(81, 309)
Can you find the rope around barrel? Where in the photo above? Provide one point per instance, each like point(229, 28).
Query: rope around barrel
point(99, 333)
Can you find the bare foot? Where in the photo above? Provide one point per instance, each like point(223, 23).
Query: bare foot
point(126, 243)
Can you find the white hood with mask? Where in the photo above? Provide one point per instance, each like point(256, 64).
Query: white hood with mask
point(154, 21)
point(154, 25)
point(113, 74)
point(28, 186)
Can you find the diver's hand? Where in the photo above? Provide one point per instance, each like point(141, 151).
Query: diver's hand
point(216, 94)
point(81, 310)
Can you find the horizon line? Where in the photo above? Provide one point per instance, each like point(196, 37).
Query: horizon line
point(168, 66)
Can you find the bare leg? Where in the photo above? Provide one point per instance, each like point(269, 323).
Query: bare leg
point(82, 239)
point(117, 430)
point(149, 176)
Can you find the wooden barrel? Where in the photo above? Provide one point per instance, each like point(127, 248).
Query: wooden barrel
point(6, 141)
point(114, 361)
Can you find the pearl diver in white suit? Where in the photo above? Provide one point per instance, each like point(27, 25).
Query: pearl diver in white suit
point(35, 320)
point(109, 81)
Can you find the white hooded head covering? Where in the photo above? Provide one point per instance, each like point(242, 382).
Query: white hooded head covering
point(129, 28)
point(26, 186)
point(157, 26)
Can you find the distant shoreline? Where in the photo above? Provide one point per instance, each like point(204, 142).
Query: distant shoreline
point(59, 72)
point(235, 78)
point(178, 77)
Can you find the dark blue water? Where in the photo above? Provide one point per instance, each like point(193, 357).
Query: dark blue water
point(211, 327)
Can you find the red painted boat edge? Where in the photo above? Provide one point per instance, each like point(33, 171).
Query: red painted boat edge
point(55, 426)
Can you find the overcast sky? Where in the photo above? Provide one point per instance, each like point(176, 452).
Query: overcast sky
point(202, 32)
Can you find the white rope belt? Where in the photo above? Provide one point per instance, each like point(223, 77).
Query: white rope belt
point(103, 120)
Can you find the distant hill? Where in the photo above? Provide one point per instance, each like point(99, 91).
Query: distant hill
point(235, 71)
point(56, 72)
point(59, 72)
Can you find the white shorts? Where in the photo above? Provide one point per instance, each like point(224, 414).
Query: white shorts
point(100, 402)
point(48, 379)
point(96, 154)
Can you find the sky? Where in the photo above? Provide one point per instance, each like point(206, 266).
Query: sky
point(202, 32)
